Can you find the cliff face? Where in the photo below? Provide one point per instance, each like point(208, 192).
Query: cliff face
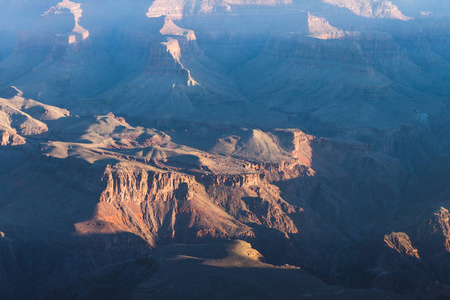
point(164, 206)
point(186, 208)
point(433, 236)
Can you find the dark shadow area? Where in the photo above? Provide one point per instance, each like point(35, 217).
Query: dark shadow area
point(219, 270)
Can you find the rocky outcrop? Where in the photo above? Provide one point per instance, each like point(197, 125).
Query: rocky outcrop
point(78, 32)
point(14, 124)
point(170, 28)
point(239, 180)
point(14, 98)
point(400, 242)
point(175, 10)
point(11, 138)
point(433, 236)
point(435, 232)
point(21, 117)
point(173, 47)
point(162, 206)
point(297, 49)
point(320, 28)
point(167, 8)
point(371, 8)
point(390, 263)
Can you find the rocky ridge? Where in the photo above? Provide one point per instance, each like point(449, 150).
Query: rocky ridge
point(371, 8)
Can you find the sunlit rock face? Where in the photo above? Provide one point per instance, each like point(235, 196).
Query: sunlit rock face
point(400, 242)
point(371, 8)
point(175, 10)
point(320, 28)
point(294, 149)
point(75, 9)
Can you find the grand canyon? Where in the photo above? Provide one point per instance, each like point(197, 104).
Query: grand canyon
point(225, 149)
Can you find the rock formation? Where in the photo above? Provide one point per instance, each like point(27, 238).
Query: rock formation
point(79, 33)
point(371, 8)
point(319, 28)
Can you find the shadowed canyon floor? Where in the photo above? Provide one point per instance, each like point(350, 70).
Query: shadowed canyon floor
point(222, 270)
